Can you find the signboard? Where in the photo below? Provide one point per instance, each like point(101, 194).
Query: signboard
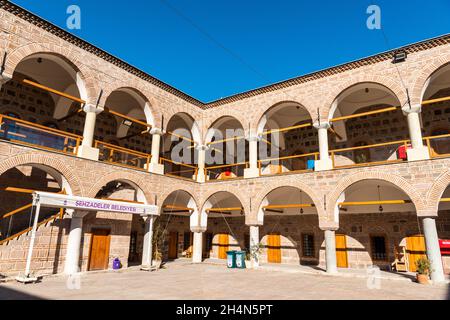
point(87, 204)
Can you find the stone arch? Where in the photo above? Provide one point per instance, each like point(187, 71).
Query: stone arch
point(399, 182)
point(213, 122)
point(437, 190)
point(134, 179)
point(151, 107)
point(259, 198)
point(70, 56)
point(259, 118)
point(46, 160)
point(424, 75)
point(195, 217)
point(392, 85)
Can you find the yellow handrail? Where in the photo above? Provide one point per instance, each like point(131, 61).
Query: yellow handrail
point(316, 154)
point(59, 93)
point(121, 149)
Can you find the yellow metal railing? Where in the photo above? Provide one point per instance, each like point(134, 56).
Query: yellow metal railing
point(178, 169)
point(288, 164)
point(122, 156)
point(36, 135)
point(226, 171)
point(365, 155)
point(438, 146)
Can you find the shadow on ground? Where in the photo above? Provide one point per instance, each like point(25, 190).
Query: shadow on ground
point(7, 293)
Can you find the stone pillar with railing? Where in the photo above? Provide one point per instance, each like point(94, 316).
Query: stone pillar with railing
point(253, 170)
point(87, 149)
point(418, 150)
point(155, 166)
point(325, 162)
point(201, 163)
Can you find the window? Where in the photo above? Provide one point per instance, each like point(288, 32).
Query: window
point(378, 248)
point(308, 245)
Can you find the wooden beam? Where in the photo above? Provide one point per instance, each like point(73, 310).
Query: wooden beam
point(373, 203)
point(173, 207)
point(218, 210)
point(445, 200)
point(120, 115)
point(289, 206)
point(427, 102)
point(287, 129)
point(59, 93)
point(364, 114)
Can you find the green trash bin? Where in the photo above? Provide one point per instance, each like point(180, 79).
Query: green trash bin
point(240, 259)
point(231, 259)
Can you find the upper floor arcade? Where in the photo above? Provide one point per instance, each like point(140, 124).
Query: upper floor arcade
point(68, 97)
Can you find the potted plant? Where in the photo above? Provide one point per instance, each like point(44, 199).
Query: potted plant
point(423, 267)
point(158, 241)
point(255, 252)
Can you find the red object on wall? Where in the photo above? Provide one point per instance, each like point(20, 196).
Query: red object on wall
point(402, 154)
point(445, 247)
point(228, 173)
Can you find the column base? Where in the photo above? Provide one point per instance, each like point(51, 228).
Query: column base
point(156, 168)
point(251, 173)
point(324, 165)
point(88, 153)
point(417, 154)
point(201, 178)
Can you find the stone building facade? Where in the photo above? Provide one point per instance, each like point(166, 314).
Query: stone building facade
point(356, 160)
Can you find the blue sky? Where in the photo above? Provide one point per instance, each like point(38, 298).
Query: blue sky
point(213, 49)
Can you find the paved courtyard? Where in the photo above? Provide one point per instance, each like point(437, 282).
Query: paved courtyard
point(185, 281)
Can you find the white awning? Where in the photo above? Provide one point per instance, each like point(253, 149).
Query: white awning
point(53, 200)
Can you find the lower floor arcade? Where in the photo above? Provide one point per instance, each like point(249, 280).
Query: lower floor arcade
point(375, 223)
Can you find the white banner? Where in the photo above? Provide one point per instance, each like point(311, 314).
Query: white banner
point(53, 200)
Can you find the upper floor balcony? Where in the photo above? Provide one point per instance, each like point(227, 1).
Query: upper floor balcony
point(44, 105)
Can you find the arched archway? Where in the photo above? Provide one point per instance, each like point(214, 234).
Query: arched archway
point(361, 116)
point(228, 149)
point(224, 217)
point(375, 217)
point(290, 233)
point(436, 111)
point(285, 128)
point(31, 94)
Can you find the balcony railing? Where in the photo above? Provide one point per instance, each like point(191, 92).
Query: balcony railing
point(289, 164)
point(226, 171)
point(32, 134)
point(438, 146)
point(376, 154)
point(178, 169)
point(122, 156)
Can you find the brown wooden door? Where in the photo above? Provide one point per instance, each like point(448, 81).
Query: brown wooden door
point(173, 245)
point(274, 248)
point(415, 246)
point(341, 251)
point(224, 243)
point(99, 253)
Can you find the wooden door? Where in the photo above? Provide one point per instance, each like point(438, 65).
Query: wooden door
point(99, 252)
point(415, 246)
point(341, 251)
point(173, 245)
point(274, 248)
point(224, 243)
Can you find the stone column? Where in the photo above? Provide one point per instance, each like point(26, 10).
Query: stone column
point(254, 241)
point(86, 150)
point(72, 265)
point(197, 246)
point(418, 151)
point(253, 170)
point(330, 251)
point(147, 252)
point(155, 166)
point(433, 250)
point(201, 149)
point(325, 163)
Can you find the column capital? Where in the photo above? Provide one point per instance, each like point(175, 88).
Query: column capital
point(202, 147)
point(253, 138)
point(322, 125)
point(417, 108)
point(88, 107)
point(198, 229)
point(329, 226)
point(156, 131)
